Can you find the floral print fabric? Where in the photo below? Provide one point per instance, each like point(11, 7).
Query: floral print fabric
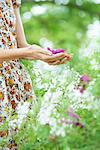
point(15, 82)
point(16, 3)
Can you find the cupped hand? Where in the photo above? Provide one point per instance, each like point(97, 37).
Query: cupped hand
point(38, 53)
point(64, 60)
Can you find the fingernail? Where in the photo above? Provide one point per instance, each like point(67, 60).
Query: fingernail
point(68, 58)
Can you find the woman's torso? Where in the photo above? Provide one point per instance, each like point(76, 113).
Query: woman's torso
point(7, 25)
point(14, 78)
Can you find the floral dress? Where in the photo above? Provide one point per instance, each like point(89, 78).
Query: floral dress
point(16, 94)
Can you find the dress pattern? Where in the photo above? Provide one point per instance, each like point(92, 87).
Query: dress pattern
point(15, 83)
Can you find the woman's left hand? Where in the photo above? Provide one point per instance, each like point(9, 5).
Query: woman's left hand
point(65, 59)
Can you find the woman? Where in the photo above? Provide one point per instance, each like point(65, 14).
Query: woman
point(15, 82)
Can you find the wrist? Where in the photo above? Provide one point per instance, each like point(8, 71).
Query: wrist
point(26, 52)
point(23, 45)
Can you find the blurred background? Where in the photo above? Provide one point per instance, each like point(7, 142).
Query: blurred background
point(67, 113)
point(61, 23)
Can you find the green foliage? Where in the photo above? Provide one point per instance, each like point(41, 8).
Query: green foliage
point(66, 26)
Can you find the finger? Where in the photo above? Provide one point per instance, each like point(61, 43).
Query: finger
point(54, 63)
point(64, 61)
point(59, 60)
point(55, 57)
point(69, 57)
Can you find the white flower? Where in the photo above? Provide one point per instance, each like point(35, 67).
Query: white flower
point(60, 132)
point(94, 30)
point(38, 10)
point(95, 64)
point(27, 16)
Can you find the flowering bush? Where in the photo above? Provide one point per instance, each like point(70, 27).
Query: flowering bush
point(66, 113)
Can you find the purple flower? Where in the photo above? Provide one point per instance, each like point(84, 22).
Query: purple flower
point(72, 114)
point(56, 51)
point(85, 78)
point(78, 124)
point(81, 89)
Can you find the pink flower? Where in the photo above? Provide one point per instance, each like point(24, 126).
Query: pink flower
point(85, 78)
point(72, 114)
point(78, 124)
point(56, 51)
point(81, 89)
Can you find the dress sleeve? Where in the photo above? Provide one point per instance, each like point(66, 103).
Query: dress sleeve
point(16, 3)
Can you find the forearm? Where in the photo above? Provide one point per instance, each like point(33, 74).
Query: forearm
point(10, 54)
point(21, 39)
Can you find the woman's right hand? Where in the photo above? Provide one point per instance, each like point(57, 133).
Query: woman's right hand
point(38, 53)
